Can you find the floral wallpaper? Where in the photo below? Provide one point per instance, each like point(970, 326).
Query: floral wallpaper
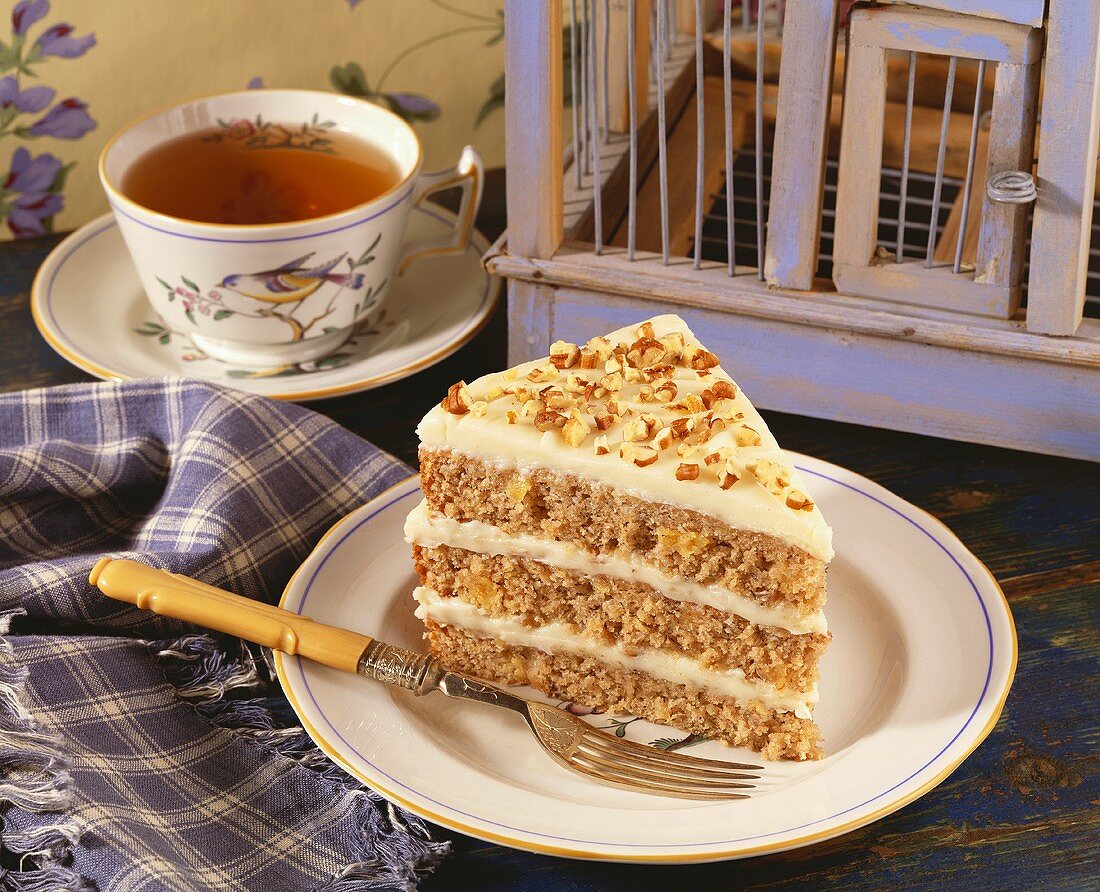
point(72, 73)
point(33, 189)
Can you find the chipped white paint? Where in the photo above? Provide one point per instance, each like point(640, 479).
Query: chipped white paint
point(1023, 12)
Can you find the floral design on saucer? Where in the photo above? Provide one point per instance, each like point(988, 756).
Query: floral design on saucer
point(371, 328)
point(257, 133)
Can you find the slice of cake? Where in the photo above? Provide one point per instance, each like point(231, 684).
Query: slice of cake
point(615, 525)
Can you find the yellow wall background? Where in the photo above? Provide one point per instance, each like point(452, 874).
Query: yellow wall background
point(150, 53)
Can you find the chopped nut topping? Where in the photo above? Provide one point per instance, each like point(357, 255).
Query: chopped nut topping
point(799, 501)
point(646, 394)
point(772, 475)
point(645, 353)
point(746, 436)
point(633, 375)
point(636, 430)
point(714, 457)
point(564, 355)
point(458, 399)
point(479, 408)
point(663, 438)
point(616, 407)
point(557, 400)
point(604, 421)
point(694, 404)
point(548, 421)
point(665, 392)
point(709, 398)
point(728, 476)
point(642, 456)
point(600, 445)
point(724, 390)
point(645, 330)
point(576, 383)
point(495, 393)
point(589, 360)
point(601, 348)
point(687, 471)
point(530, 408)
point(686, 450)
point(509, 374)
point(542, 373)
point(674, 346)
point(575, 431)
point(702, 359)
point(511, 416)
point(612, 383)
point(717, 425)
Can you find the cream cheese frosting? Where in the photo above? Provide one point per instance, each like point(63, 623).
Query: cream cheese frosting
point(422, 527)
point(741, 476)
point(557, 638)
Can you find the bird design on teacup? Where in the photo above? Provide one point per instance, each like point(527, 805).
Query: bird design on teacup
point(290, 282)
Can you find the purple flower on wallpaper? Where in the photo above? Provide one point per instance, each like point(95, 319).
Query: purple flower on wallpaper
point(32, 99)
point(257, 83)
point(69, 119)
point(413, 107)
point(26, 12)
point(30, 179)
point(57, 40)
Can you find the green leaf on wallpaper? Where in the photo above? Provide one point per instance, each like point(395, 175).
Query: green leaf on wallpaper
point(495, 100)
point(186, 281)
point(496, 38)
point(9, 58)
point(350, 79)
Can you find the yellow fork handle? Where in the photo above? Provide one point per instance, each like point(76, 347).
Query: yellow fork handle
point(181, 597)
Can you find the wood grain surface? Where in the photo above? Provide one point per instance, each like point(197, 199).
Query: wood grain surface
point(1023, 812)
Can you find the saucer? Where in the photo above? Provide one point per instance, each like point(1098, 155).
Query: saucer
point(90, 307)
point(922, 657)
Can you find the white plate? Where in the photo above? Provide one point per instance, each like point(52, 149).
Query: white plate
point(923, 653)
point(89, 306)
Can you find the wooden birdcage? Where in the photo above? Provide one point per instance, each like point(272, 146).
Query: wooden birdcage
point(886, 220)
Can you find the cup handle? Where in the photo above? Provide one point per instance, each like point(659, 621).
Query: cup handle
point(469, 174)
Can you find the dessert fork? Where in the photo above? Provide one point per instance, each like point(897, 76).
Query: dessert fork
point(569, 741)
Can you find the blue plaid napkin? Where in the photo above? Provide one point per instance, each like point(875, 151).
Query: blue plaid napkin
point(135, 753)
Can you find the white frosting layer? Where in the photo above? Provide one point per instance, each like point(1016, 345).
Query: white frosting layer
point(434, 530)
point(747, 505)
point(557, 638)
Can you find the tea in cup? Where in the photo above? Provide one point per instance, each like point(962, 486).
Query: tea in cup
point(267, 225)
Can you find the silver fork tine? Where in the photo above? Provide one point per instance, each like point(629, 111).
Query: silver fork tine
point(656, 789)
point(650, 776)
point(689, 761)
point(672, 768)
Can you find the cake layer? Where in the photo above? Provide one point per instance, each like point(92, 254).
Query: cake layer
point(431, 530)
point(718, 457)
point(617, 689)
point(557, 638)
point(613, 611)
point(602, 520)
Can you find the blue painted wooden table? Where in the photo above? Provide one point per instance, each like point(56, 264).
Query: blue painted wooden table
point(1023, 812)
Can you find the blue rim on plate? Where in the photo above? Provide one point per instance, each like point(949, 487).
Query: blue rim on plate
point(296, 683)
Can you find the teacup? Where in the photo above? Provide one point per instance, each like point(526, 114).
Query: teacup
point(274, 294)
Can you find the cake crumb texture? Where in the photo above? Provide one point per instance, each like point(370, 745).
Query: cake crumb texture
point(589, 682)
point(603, 520)
point(617, 612)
